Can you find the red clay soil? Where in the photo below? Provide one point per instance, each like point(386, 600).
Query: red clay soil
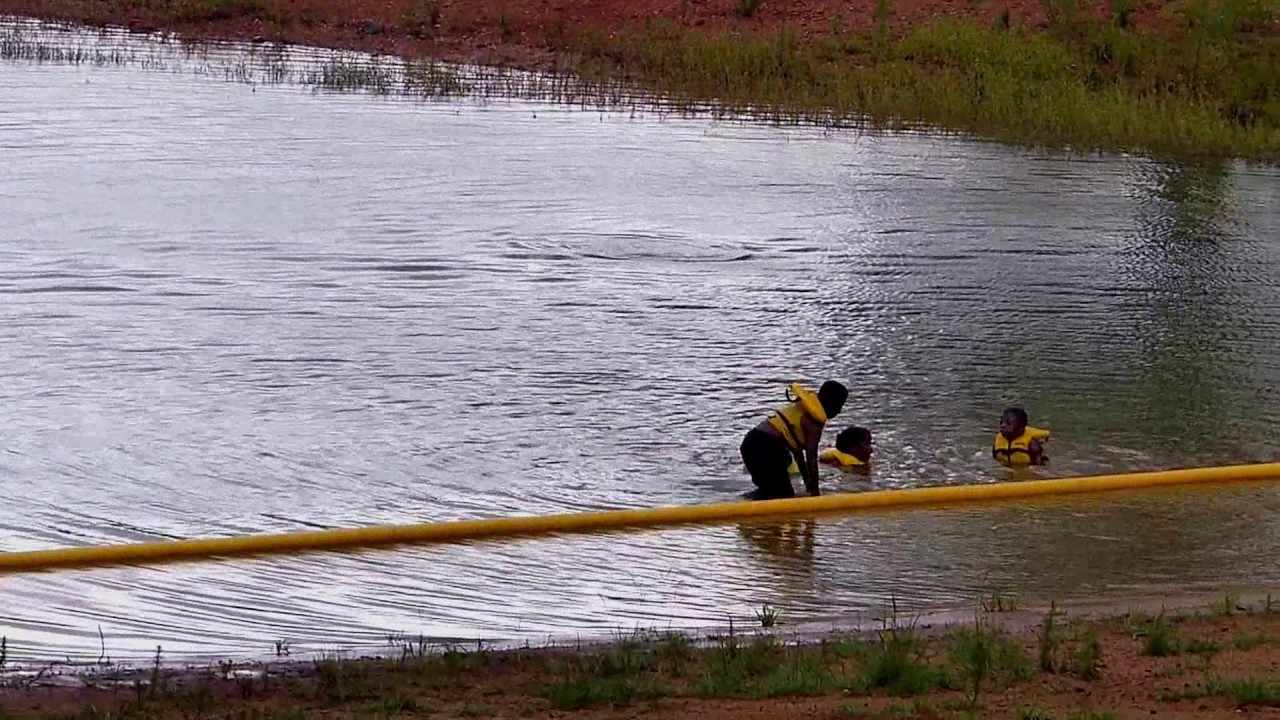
point(520, 32)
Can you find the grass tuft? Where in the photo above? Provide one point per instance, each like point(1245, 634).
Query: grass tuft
point(1249, 641)
point(984, 656)
point(896, 662)
point(1227, 606)
point(746, 8)
point(421, 17)
point(1159, 637)
point(341, 681)
point(1078, 653)
point(1245, 693)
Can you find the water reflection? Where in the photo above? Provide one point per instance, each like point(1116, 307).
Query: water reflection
point(785, 548)
point(1190, 263)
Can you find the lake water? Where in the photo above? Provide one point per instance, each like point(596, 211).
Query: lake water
point(236, 308)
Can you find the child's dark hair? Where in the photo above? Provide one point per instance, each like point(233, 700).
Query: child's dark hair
point(832, 396)
point(1016, 413)
point(852, 437)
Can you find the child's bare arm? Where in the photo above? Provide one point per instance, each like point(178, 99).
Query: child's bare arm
point(1036, 450)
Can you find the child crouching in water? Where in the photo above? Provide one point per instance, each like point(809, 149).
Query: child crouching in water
point(791, 433)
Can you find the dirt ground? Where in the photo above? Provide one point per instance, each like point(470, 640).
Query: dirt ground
point(1221, 661)
point(524, 33)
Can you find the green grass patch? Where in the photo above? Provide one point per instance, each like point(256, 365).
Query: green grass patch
point(342, 681)
point(985, 657)
point(735, 669)
point(1159, 637)
point(1244, 693)
point(578, 692)
point(1071, 650)
point(1249, 641)
point(1229, 604)
point(616, 676)
point(1204, 91)
point(896, 662)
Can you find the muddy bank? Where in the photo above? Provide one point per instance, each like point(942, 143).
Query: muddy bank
point(527, 34)
point(1085, 661)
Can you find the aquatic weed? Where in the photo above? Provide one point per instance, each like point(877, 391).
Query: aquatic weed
point(998, 602)
point(767, 615)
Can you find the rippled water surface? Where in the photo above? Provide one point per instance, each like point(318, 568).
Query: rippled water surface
point(231, 309)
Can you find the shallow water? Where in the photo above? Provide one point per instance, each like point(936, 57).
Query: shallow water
point(233, 308)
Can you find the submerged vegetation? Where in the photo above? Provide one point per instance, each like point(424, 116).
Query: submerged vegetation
point(319, 70)
point(977, 669)
point(1205, 83)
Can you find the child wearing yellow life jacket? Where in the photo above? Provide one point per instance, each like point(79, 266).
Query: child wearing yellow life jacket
point(1017, 444)
point(852, 452)
point(791, 433)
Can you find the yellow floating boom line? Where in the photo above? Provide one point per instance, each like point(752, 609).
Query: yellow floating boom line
point(454, 531)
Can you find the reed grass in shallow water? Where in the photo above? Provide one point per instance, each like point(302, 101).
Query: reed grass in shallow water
point(320, 70)
point(1212, 90)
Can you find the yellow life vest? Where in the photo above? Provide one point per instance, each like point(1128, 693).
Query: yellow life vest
point(1017, 452)
point(788, 418)
point(834, 458)
point(842, 460)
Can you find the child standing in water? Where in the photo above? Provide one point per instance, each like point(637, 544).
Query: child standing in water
point(1017, 445)
point(791, 432)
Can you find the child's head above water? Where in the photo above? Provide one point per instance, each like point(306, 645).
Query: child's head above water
point(855, 441)
point(832, 396)
point(1013, 423)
